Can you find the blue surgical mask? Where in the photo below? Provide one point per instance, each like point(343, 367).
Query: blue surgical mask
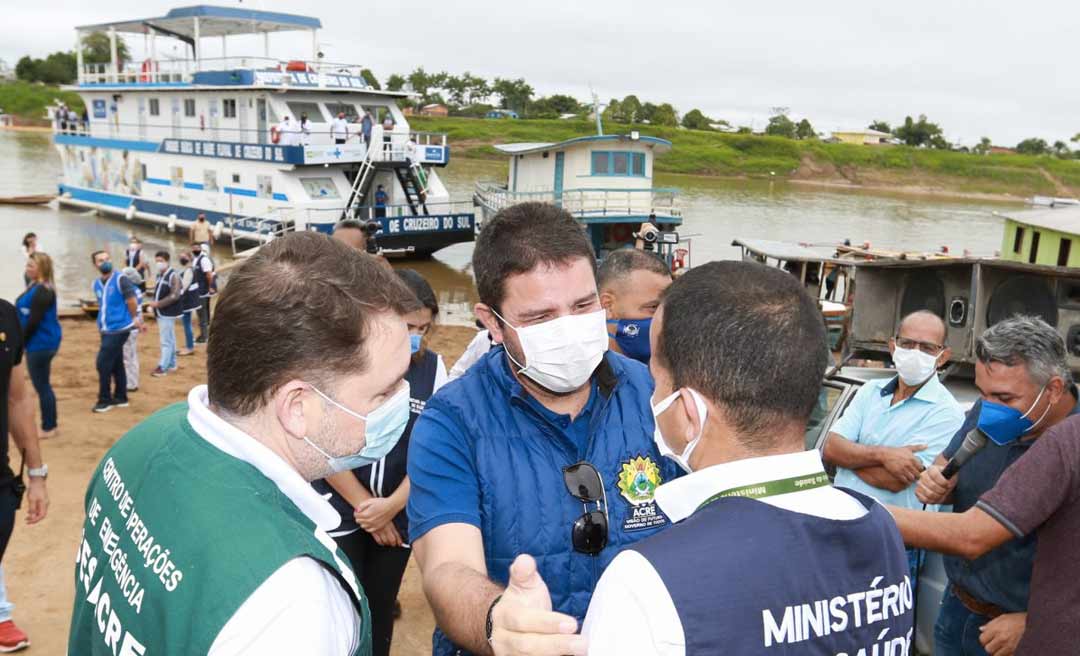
point(414, 343)
point(383, 427)
point(632, 336)
point(1003, 424)
point(105, 267)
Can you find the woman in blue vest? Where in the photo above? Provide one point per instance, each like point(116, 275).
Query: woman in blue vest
point(41, 334)
point(371, 500)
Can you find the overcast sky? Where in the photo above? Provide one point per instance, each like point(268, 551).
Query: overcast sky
point(1006, 70)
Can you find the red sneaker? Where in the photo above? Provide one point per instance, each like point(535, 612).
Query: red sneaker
point(12, 638)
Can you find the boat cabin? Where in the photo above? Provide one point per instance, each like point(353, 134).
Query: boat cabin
point(1048, 236)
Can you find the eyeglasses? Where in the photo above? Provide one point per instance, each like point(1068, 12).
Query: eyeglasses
point(928, 348)
point(590, 532)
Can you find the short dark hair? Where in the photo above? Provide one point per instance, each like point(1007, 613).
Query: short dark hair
point(27, 237)
point(623, 262)
point(163, 255)
point(347, 224)
point(750, 339)
point(300, 307)
point(420, 288)
point(93, 256)
point(521, 237)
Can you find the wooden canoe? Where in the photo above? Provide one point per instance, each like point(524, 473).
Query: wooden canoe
point(39, 199)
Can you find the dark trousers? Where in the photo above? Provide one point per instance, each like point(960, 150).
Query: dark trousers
point(8, 504)
point(339, 140)
point(379, 570)
point(204, 317)
point(956, 632)
point(39, 363)
point(110, 367)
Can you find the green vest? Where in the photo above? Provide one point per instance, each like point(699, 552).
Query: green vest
point(177, 536)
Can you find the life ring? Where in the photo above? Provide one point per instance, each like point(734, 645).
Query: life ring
point(275, 134)
point(148, 66)
point(622, 233)
point(678, 261)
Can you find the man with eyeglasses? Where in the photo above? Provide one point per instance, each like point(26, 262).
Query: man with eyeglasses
point(533, 469)
point(766, 556)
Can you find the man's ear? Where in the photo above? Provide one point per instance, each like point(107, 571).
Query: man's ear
point(296, 410)
point(487, 317)
point(944, 357)
point(692, 415)
point(1055, 389)
point(607, 300)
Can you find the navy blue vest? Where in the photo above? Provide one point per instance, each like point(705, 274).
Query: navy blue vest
point(162, 289)
point(382, 478)
point(201, 277)
point(750, 578)
point(189, 300)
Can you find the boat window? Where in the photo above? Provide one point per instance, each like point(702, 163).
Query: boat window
point(176, 176)
point(1034, 254)
point(320, 188)
point(189, 107)
point(352, 115)
point(236, 178)
point(618, 163)
point(228, 108)
point(1018, 241)
point(265, 186)
point(210, 180)
point(311, 109)
point(155, 107)
point(1064, 249)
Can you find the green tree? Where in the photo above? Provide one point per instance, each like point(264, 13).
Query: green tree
point(370, 78)
point(96, 49)
point(613, 111)
point(456, 89)
point(665, 115)
point(478, 87)
point(631, 109)
point(27, 68)
point(781, 126)
point(1061, 149)
point(57, 68)
point(1033, 146)
point(395, 82)
point(920, 133)
point(880, 126)
point(804, 130)
point(696, 120)
point(983, 147)
point(648, 111)
point(513, 94)
point(420, 82)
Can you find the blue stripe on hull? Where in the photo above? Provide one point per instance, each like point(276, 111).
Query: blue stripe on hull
point(120, 144)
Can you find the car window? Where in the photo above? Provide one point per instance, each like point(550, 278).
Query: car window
point(824, 413)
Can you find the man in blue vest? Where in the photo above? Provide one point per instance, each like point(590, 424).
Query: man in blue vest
point(543, 447)
point(765, 556)
point(118, 313)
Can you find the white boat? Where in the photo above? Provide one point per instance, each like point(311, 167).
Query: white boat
point(170, 137)
point(604, 181)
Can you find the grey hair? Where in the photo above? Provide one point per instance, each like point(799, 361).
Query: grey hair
point(1025, 340)
point(621, 263)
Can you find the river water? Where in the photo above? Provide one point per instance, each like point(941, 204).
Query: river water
point(715, 211)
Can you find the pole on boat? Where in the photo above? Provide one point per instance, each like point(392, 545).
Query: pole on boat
point(266, 45)
point(114, 60)
point(79, 56)
point(195, 43)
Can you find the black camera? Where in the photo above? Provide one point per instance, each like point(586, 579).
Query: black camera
point(371, 233)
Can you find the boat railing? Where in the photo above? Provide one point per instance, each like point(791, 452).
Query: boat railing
point(169, 70)
point(587, 203)
point(323, 215)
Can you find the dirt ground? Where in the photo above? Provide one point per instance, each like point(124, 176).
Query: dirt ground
point(39, 563)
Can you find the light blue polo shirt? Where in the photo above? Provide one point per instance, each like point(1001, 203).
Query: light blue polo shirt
point(931, 417)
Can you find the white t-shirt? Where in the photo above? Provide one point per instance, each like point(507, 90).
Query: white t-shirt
point(339, 128)
point(476, 349)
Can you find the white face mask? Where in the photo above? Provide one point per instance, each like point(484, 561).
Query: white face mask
point(161, 266)
point(914, 366)
point(561, 354)
point(682, 458)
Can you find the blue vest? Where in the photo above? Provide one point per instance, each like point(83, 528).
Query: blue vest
point(201, 277)
point(47, 335)
point(382, 478)
point(189, 300)
point(750, 578)
point(162, 289)
point(519, 457)
point(113, 315)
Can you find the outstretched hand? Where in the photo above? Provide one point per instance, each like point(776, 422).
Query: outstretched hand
point(524, 622)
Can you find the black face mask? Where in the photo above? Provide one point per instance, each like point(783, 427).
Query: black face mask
point(184, 261)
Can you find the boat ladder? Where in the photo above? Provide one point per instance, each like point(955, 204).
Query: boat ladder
point(360, 184)
point(414, 183)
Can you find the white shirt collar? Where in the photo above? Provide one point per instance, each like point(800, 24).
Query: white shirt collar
point(682, 496)
point(238, 444)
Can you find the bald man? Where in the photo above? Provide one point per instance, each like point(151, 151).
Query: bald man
point(894, 428)
point(351, 233)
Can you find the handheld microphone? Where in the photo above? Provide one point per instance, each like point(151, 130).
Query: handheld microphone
point(973, 442)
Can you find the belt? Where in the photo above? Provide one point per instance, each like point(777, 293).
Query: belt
point(975, 605)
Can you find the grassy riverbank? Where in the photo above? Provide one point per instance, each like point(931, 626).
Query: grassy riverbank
point(812, 162)
point(27, 101)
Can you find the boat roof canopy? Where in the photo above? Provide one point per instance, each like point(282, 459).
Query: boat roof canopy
point(213, 21)
point(1061, 219)
point(791, 252)
point(659, 145)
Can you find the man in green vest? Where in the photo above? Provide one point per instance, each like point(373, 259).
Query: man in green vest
point(202, 534)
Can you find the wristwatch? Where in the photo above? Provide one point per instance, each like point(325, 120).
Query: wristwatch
point(38, 472)
point(489, 625)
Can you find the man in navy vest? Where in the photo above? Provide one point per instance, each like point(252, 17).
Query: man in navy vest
point(118, 313)
point(766, 556)
point(543, 447)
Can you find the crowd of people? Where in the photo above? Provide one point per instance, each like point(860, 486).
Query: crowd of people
point(617, 463)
